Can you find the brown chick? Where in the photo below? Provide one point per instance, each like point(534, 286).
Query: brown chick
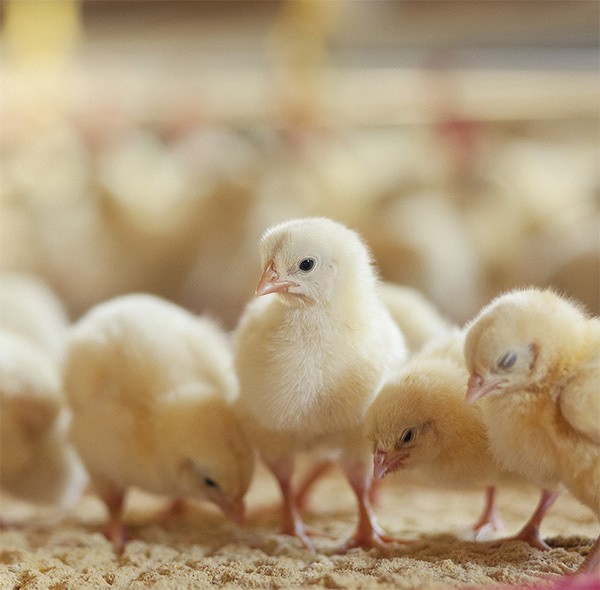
point(534, 357)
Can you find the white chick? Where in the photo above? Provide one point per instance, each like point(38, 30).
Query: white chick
point(311, 353)
point(420, 421)
point(418, 319)
point(535, 356)
point(151, 386)
point(37, 462)
point(30, 309)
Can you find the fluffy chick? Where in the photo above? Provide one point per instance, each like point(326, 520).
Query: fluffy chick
point(311, 353)
point(37, 462)
point(30, 309)
point(534, 357)
point(420, 421)
point(418, 319)
point(151, 387)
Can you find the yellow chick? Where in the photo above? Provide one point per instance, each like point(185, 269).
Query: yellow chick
point(311, 353)
point(30, 309)
point(534, 358)
point(418, 319)
point(37, 462)
point(151, 387)
point(420, 421)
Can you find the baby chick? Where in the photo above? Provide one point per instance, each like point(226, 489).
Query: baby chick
point(311, 353)
point(419, 319)
point(419, 421)
point(30, 309)
point(37, 463)
point(535, 356)
point(151, 385)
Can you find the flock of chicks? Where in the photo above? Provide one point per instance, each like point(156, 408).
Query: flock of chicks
point(326, 359)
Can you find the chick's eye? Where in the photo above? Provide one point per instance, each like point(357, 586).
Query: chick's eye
point(408, 436)
point(507, 360)
point(307, 264)
point(211, 483)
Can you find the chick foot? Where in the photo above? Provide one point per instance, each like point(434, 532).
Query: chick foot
point(368, 533)
point(489, 520)
point(530, 533)
point(292, 522)
point(115, 530)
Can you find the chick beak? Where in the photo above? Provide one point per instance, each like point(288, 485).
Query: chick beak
point(385, 462)
point(232, 509)
point(478, 387)
point(270, 282)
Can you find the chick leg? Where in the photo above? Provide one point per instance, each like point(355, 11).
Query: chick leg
point(591, 564)
point(368, 532)
point(292, 522)
point(489, 520)
point(530, 533)
point(320, 469)
point(307, 484)
point(115, 531)
point(176, 507)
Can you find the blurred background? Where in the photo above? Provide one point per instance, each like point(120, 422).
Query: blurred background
point(145, 146)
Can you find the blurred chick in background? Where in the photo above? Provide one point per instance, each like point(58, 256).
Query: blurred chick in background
point(37, 462)
point(151, 386)
point(418, 318)
point(534, 358)
point(311, 353)
point(420, 421)
point(31, 310)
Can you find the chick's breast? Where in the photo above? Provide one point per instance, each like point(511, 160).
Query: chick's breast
point(299, 374)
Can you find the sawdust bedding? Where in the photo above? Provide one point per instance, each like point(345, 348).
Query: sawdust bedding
point(200, 549)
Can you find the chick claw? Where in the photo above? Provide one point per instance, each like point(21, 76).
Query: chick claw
point(116, 533)
point(295, 528)
point(366, 542)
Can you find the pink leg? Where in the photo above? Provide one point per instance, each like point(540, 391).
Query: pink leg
point(368, 532)
point(307, 484)
point(530, 533)
point(115, 531)
point(489, 520)
point(176, 507)
point(318, 471)
point(591, 564)
point(292, 523)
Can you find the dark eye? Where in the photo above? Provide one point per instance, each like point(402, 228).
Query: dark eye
point(211, 483)
point(507, 360)
point(408, 436)
point(307, 264)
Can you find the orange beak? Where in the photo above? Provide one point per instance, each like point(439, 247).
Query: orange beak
point(385, 462)
point(271, 283)
point(478, 387)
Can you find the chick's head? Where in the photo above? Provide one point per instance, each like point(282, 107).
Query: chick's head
point(405, 422)
point(520, 341)
point(211, 458)
point(308, 260)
